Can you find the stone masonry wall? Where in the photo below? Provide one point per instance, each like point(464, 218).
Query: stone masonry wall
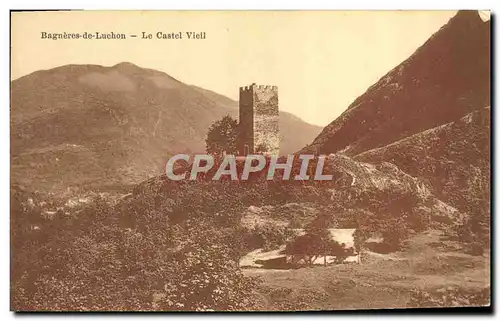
point(266, 119)
point(258, 120)
point(245, 123)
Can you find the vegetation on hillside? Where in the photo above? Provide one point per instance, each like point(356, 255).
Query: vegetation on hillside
point(221, 136)
point(90, 261)
point(168, 239)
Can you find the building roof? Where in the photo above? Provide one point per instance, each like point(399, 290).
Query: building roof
point(341, 235)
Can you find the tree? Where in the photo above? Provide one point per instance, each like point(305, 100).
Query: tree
point(207, 280)
point(307, 246)
point(221, 136)
point(318, 242)
point(311, 246)
point(474, 231)
point(207, 277)
point(338, 250)
point(394, 231)
point(318, 237)
point(262, 148)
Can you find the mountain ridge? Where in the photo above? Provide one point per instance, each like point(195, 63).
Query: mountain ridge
point(126, 119)
point(452, 68)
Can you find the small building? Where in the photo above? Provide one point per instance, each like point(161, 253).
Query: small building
point(343, 236)
point(283, 259)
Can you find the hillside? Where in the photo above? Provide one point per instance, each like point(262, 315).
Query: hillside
point(429, 116)
point(446, 78)
point(359, 192)
point(453, 158)
point(89, 125)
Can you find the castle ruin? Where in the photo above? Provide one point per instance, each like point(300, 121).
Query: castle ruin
point(258, 129)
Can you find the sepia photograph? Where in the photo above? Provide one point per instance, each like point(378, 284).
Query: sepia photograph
point(245, 161)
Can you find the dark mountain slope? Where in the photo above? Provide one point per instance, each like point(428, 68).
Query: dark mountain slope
point(446, 78)
point(454, 159)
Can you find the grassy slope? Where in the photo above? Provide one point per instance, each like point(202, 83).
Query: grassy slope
point(380, 282)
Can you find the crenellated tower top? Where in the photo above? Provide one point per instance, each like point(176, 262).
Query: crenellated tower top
point(260, 87)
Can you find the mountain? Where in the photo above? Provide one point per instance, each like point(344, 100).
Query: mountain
point(429, 116)
point(89, 125)
point(446, 78)
point(453, 158)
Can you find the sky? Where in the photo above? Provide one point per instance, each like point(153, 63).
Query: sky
point(321, 61)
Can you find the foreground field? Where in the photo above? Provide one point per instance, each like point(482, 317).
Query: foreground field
point(429, 263)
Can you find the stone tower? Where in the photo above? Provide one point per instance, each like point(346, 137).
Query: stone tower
point(258, 131)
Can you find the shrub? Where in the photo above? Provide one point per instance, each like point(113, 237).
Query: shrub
point(270, 236)
point(207, 279)
point(449, 297)
point(221, 136)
